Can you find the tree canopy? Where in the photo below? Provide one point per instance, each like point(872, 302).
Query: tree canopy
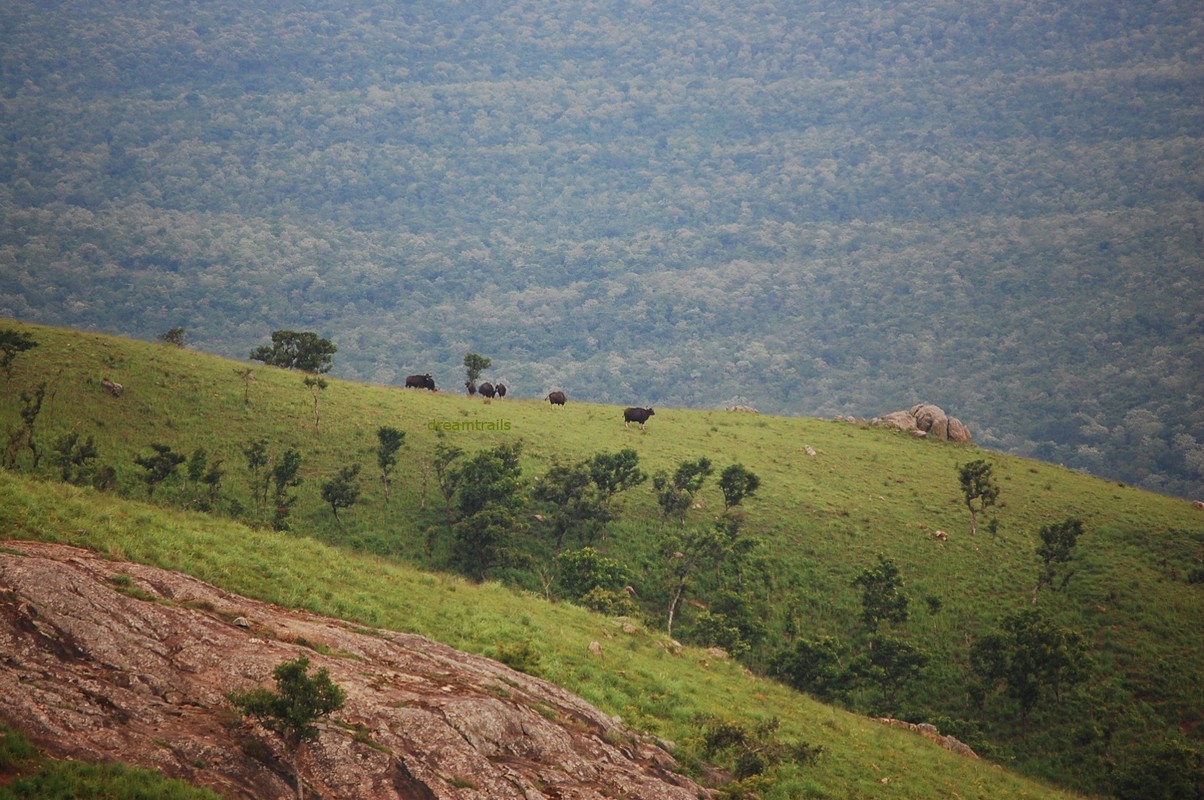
point(294, 709)
point(882, 595)
point(1058, 540)
point(979, 489)
point(474, 365)
point(304, 350)
point(1029, 658)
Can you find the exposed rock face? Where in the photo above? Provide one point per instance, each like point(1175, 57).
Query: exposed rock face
point(903, 420)
point(932, 420)
point(958, 432)
point(925, 419)
point(109, 661)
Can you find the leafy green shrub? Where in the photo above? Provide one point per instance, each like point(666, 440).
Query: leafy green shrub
point(521, 656)
point(812, 666)
point(582, 571)
point(749, 753)
point(1171, 770)
point(294, 709)
point(715, 630)
point(609, 602)
point(733, 620)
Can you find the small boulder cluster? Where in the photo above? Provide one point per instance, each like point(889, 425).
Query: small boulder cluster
point(926, 420)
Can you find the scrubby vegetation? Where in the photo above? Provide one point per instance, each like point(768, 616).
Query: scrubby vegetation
point(25, 774)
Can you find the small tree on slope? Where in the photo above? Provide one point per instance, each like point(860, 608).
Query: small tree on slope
point(978, 489)
point(294, 709)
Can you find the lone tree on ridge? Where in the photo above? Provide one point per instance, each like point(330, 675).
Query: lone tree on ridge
point(301, 350)
point(474, 365)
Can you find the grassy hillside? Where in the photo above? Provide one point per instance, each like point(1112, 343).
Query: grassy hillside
point(820, 520)
point(821, 207)
point(637, 675)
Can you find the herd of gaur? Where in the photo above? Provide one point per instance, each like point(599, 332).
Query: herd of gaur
point(498, 390)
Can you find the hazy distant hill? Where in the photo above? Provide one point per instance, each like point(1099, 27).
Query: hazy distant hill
point(815, 208)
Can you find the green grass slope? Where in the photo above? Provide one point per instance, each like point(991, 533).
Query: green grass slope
point(833, 497)
point(636, 674)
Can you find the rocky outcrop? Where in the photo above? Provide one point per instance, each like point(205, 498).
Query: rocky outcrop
point(111, 661)
point(925, 419)
point(958, 432)
point(931, 733)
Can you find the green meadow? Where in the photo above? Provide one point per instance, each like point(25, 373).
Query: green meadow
point(833, 498)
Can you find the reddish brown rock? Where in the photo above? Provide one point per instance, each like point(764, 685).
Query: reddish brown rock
point(109, 661)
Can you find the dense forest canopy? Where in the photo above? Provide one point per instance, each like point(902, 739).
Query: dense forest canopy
point(815, 208)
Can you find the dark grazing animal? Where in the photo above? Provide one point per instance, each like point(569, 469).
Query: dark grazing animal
point(501, 390)
point(471, 387)
point(556, 398)
point(487, 390)
point(420, 382)
point(639, 415)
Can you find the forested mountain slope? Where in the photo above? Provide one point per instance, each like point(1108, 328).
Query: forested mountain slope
point(815, 208)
